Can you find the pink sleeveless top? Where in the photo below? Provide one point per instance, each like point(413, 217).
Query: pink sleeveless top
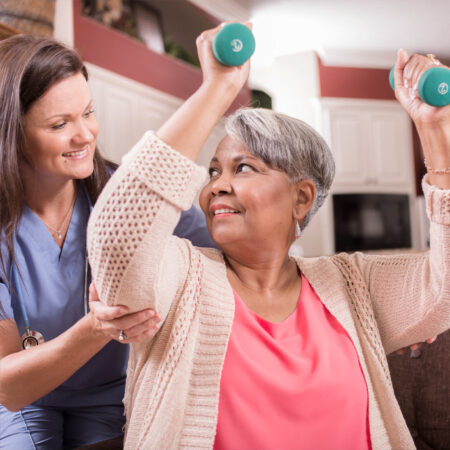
point(292, 385)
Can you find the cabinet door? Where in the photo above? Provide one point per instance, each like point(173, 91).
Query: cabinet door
point(371, 141)
point(349, 146)
point(392, 148)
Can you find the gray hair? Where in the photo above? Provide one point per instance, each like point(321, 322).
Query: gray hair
point(286, 144)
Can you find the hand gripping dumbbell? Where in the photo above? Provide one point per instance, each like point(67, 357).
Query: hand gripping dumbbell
point(433, 86)
point(233, 44)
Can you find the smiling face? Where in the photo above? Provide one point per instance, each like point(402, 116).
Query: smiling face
point(245, 200)
point(61, 133)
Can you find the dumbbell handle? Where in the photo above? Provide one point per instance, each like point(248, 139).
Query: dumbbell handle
point(433, 86)
point(233, 44)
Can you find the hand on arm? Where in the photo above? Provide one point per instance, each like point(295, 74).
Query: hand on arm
point(27, 375)
point(112, 320)
point(432, 123)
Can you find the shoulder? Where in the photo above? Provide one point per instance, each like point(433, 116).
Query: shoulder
point(330, 274)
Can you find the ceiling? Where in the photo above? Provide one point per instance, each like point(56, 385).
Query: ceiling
point(348, 31)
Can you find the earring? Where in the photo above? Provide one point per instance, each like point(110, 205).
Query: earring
point(298, 232)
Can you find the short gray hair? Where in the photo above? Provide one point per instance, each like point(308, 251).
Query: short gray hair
point(286, 144)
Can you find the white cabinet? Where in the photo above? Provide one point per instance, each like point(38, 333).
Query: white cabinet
point(371, 141)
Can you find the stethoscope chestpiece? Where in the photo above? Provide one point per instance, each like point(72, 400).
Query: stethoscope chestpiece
point(31, 338)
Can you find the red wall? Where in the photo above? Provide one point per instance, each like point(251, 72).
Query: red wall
point(354, 82)
point(119, 53)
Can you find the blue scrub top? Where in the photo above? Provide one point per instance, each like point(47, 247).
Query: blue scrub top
point(53, 291)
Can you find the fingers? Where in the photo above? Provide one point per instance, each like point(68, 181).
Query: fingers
point(135, 326)
point(140, 332)
point(415, 347)
point(112, 320)
point(408, 70)
point(104, 312)
point(399, 81)
point(129, 321)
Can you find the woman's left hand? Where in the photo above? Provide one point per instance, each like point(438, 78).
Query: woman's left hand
point(117, 324)
point(407, 73)
point(432, 123)
point(213, 70)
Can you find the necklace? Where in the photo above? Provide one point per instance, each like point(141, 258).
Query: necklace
point(61, 227)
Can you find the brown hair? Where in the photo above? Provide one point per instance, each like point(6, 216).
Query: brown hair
point(29, 67)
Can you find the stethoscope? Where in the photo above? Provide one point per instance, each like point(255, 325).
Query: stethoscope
point(31, 338)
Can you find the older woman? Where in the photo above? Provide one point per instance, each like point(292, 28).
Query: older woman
point(256, 349)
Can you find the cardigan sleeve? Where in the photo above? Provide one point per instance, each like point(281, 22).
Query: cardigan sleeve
point(134, 258)
point(410, 293)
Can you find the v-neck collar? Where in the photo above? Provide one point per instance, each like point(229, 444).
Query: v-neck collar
point(34, 230)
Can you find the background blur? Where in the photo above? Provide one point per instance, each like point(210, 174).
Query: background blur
point(325, 62)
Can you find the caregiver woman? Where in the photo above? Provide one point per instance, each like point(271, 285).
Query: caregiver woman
point(258, 349)
point(66, 391)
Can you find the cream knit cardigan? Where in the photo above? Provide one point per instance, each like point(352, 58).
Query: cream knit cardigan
point(172, 393)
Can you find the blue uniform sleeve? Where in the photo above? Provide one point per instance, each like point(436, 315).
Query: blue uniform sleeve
point(192, 226)
point(6, 311)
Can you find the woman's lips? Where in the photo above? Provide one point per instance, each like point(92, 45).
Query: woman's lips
point(80, 154)
point(224, 212)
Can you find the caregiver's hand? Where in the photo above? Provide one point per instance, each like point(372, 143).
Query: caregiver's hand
point(116, 323)
point(415, 347)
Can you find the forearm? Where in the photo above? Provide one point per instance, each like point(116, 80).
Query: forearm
point(26, 376)
point(410, 292)
point(435, 139)
point(190, 126)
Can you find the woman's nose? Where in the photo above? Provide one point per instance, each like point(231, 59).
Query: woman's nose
point(83, 134)
point(221, 185)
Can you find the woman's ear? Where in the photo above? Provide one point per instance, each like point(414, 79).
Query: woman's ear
point(304, 196)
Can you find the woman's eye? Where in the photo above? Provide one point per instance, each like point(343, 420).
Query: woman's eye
point(59, 126)
point(244, 168)
point(88, 113)
point(213, 172)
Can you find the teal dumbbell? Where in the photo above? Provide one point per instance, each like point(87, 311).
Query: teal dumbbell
point(233, 44)
point(433, 86)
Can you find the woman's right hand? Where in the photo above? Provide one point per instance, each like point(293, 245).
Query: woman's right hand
point(112, 320)
point(213, 70)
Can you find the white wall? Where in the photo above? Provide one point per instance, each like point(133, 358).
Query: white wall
point(293, 83)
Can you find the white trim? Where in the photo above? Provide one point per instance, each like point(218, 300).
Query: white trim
point(371, 59)
point(223, 10)
point(358, 102)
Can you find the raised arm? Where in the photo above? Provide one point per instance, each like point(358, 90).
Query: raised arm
point(411, 293)
point(131, 248)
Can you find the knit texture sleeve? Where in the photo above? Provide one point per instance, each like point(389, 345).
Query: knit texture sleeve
point(130, 240)
point(410, 293)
